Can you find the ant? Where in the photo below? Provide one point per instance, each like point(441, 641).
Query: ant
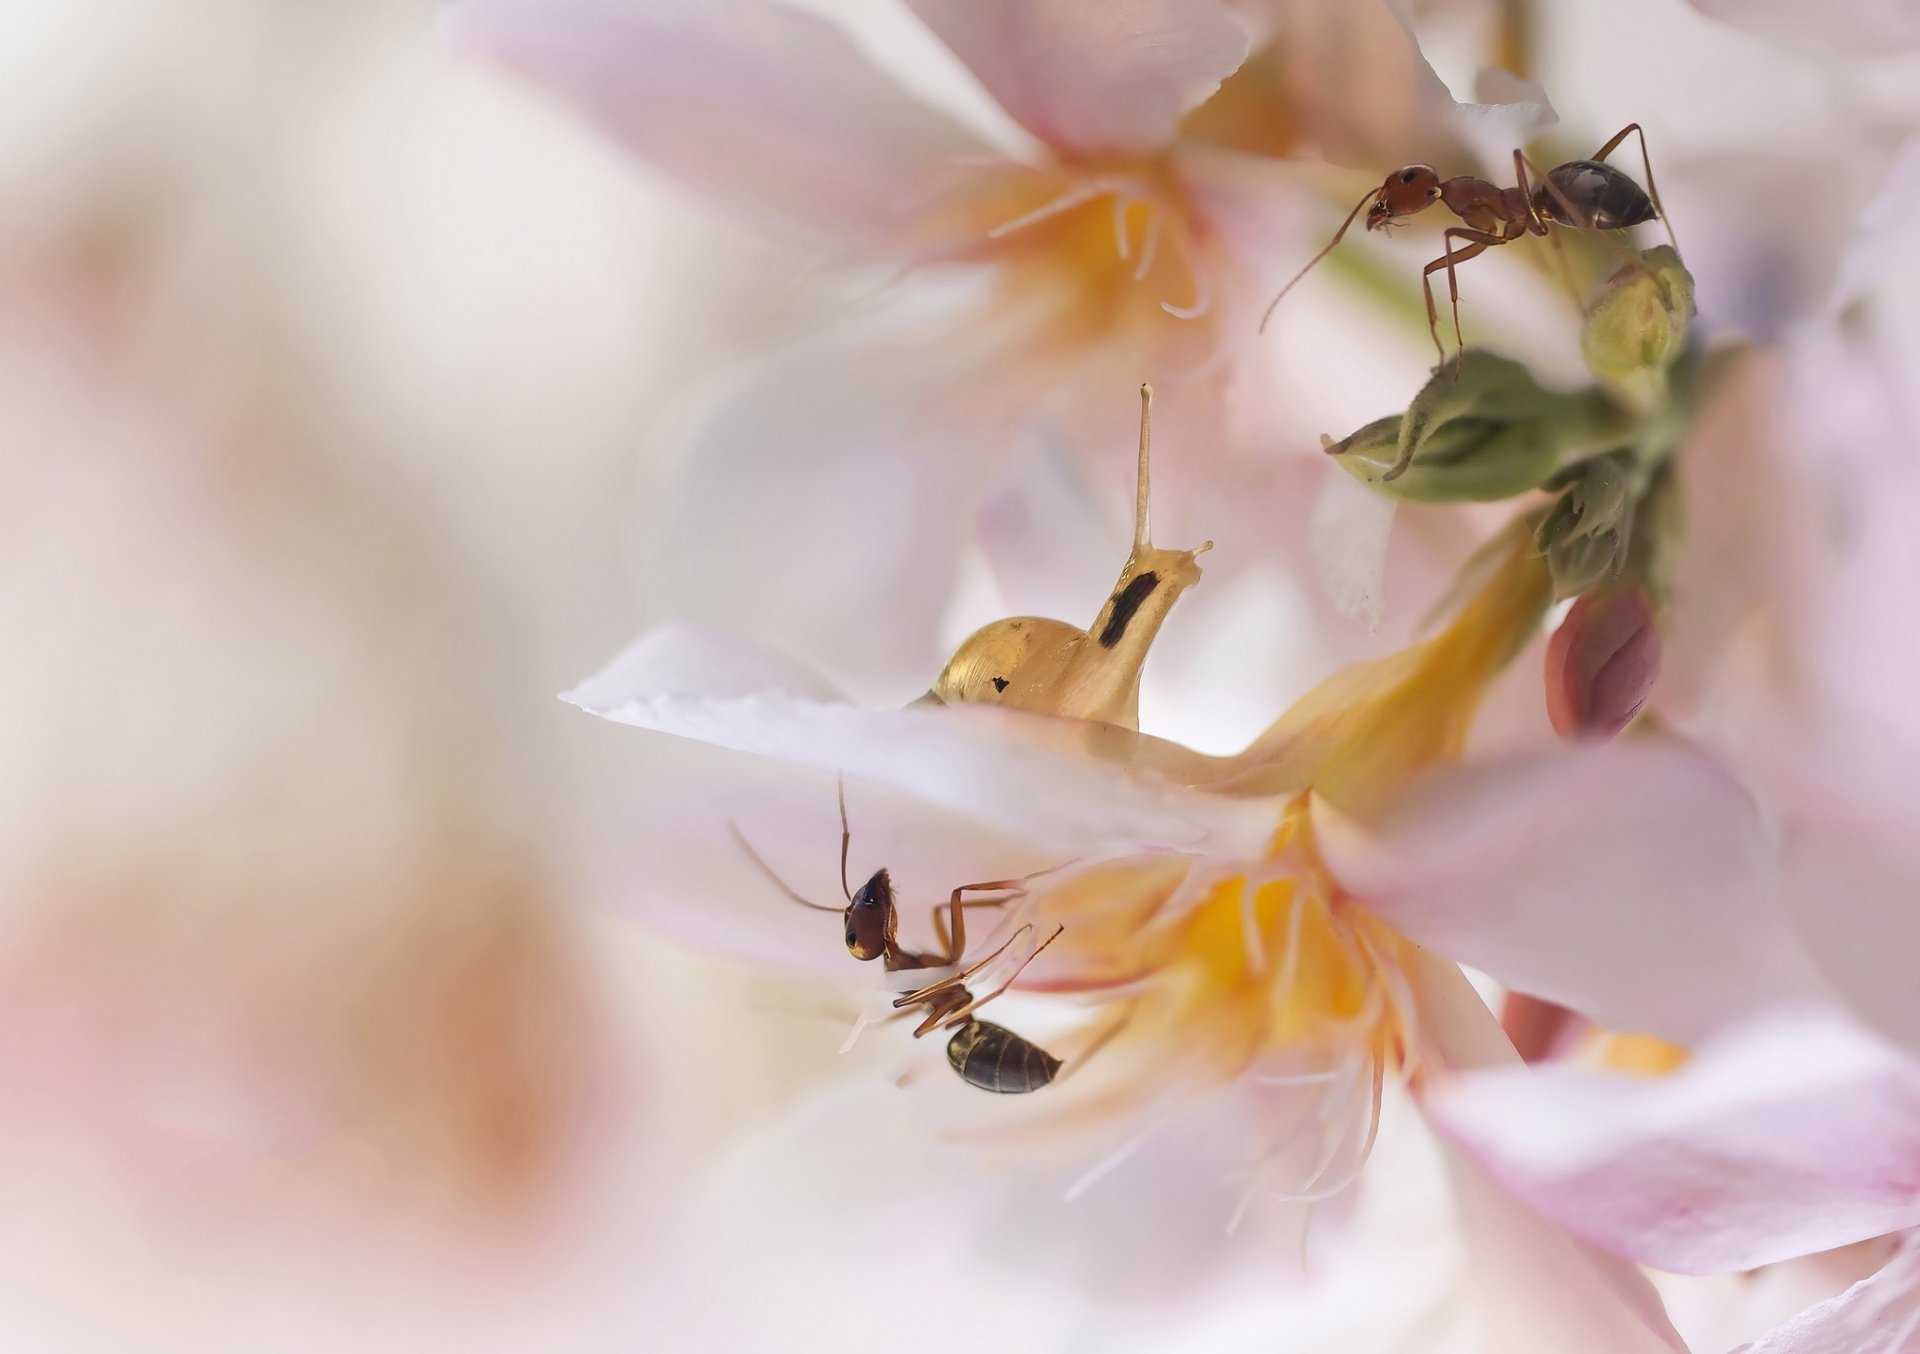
point(985, 1055)
point(1580, 195)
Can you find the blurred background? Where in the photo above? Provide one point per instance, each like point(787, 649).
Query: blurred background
point(334, 377)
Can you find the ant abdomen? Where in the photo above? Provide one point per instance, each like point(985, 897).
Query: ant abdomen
point(994, 1058)
point(1589, 195)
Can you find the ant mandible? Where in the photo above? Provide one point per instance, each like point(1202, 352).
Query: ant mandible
point(985, 1055)
point(1580, 195)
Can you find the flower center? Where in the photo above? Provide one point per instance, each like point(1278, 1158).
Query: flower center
point(1106, 253)
point(1261, 973)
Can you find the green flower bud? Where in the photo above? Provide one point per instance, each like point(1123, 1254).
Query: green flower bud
point(1579, 562)
point(1636, 326)
point(1492, 433)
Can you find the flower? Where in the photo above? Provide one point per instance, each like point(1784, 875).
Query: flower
point(1129, 236)
point(1269, 922)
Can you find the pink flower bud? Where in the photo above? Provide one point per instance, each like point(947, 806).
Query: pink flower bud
point(1602, 662)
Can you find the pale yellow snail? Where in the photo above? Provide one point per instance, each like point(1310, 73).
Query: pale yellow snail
point(1049, 666)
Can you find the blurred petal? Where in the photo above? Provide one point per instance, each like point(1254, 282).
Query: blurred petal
point(1878, 1315)
point(773, 114)
point(1113, 77)
point(1529, 1286)
point(1788, 1136)
point(821, 499)
point(1368, 98)
point(1028, 775)
point(1853, 870)
point(1854, 27)
point(1632, 883)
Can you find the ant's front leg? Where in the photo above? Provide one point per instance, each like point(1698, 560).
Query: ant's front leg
point(955, 945)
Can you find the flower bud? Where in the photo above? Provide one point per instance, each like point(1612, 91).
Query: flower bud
point(1492, 433)
point(1636, 326)
point(1602, 662)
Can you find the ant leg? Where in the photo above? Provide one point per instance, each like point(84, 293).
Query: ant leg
point(1539, 225)
point(1480, 242)
point(1646, 163)
point(1100, 1041)
point(972, 1004)
point(959, 979)
point(1535, 224)
point(956, 945)
point(1608, 239)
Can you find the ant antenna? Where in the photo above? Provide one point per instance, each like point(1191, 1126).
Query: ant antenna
point(1371, 194)
point(846, 836)
point(1140, 534)
point(767, 870)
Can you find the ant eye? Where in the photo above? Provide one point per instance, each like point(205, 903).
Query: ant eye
point(1409, 175)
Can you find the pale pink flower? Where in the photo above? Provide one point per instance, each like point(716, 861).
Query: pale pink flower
point(1134, 233)
point(1230, 945)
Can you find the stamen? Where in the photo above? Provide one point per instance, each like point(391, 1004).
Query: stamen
point(1122, 203)
point(853, 1035)
point(1111, 1163)
point(1202, 289)
point(1250, 936)
point(1149, 244)
point(1066, 202)
point(1202, 301)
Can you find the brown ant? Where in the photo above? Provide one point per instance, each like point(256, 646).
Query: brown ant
point(1580, 195)
point(985, 1055)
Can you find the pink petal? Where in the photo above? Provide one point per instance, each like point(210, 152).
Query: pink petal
point(1878, 1315)
point(773, 114)
point(1529, 1286)
point(1094, 77)
point(1853, 868)
point(1791, 1135)
point(1630, 882)
point(1031, 777)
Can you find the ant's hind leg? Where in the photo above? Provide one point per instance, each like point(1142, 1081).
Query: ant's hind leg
point(1646, 163)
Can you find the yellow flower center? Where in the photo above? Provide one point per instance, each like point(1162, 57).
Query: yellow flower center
point(1268, 974)
point(1098, 253)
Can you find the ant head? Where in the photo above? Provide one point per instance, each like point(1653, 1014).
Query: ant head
point(1411, 189)
point(870, 918)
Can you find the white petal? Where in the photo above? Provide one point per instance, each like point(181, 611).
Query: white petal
point(1031, 776)
point(1348, 538)
point(1113, 77)
point(820, 501)
point(1853, 27)
point(1878, 1315)
point(1789, 1136)
point(1631, 882)
point(772, 114)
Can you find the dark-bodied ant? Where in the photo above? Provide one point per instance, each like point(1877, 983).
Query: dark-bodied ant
point(1580, 195)
point(985, 1055)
